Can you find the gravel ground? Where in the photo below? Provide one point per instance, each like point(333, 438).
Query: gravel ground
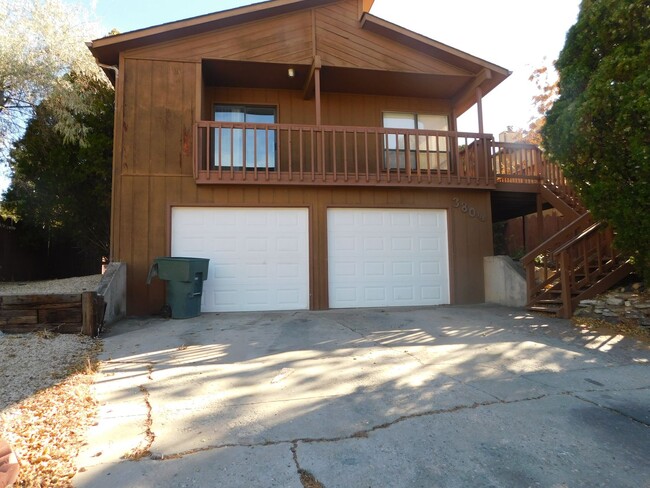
point(46, 405)
point(67, 285)
point(33, 362)
point(45, 400)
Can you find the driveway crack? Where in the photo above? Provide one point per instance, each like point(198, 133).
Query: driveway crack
point(144, 449)
point(356, 435)
point(307, 479)
point(610, 409)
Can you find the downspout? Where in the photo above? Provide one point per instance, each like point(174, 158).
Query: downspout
point(115, 69)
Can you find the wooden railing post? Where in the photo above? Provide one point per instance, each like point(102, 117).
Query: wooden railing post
point(565, 280)
point(92, 312)
point(531, 280)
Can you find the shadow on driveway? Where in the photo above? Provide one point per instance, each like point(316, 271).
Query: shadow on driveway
point(443, 396)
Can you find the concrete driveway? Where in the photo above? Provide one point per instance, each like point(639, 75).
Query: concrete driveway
point(432, 397)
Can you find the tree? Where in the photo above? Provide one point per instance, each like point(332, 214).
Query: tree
point(40, 41)
point(61, 189)
point(547, 86)
point(599, 127)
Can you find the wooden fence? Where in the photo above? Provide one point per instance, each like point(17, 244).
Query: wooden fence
point(67, 314)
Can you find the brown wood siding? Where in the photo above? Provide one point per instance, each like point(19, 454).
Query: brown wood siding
point(470, 239)
point(335, 29)
point(282, 39)
point(344, 109)
point(155, 117)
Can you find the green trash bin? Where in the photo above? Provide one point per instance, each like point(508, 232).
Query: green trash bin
point(184, 277)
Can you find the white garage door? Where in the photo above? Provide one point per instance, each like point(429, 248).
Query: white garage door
point(387, 257)
point(259, 257)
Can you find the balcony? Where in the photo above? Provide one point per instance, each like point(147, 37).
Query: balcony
point(287, 154)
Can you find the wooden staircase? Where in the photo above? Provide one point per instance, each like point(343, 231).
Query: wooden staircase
point(576, 263)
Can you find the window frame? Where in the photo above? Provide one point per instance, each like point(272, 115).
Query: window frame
point(427, 159)
point(238, 158)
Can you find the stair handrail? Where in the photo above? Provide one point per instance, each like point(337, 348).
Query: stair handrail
point(556, 239)
point(569, 265)
point(580, 237)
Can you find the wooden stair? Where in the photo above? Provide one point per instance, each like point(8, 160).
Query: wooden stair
point(576, 263)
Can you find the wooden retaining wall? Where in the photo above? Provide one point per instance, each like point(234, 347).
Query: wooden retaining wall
point(67, 314)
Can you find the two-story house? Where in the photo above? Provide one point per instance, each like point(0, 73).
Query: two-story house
point(310, 150)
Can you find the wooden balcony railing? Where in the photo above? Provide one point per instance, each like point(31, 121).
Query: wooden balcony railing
point(288, 154)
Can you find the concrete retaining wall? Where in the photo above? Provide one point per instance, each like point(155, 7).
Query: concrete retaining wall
point(505, 282)
point(112, 288)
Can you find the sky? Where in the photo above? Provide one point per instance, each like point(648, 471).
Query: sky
point(519, 35)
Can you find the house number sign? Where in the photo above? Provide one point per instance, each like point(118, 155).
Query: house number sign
point(467, 209)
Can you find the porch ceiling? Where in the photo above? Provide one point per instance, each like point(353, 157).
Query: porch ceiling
point(333, 79)
point(507, 205)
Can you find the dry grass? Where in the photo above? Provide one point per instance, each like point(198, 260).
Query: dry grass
point(47, 429)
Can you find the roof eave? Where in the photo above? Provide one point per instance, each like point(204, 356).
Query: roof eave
point(106, 49)
point(442, 51)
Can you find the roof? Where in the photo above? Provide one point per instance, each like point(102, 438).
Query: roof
point(107, 49)
point(482, 74)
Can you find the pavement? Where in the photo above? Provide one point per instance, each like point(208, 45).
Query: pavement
point(452, 396)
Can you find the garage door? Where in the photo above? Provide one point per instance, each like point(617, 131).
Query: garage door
point(387, 257)
point(259, 257)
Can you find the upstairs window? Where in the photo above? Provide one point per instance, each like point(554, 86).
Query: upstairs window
point(255, 146)
point(425, 152)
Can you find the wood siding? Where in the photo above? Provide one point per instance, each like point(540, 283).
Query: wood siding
point(161, 93)
point(470, 239)
point(282, 39)
point(342, 42)
point(153, 170)
point(332, 31)
point(346, 109)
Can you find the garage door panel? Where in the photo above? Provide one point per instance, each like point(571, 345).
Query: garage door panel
point(259, 257)
point(430, 293)
point(403, 269)
point(387, 257)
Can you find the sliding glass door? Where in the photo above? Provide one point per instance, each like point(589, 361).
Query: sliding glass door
point(424, 151)
point(234, 146)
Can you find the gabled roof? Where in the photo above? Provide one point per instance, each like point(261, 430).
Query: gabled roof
point(465, 73)
point(107, 49)
point(487, 75)
point(430, 46)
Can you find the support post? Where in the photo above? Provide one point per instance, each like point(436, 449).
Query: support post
point(312, 86)
point(479, 106)
point(317, 89)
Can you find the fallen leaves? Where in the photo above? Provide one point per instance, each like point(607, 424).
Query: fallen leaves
point(47, 428)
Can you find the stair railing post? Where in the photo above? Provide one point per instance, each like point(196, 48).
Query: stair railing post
point(530, 281)
point(565, 283)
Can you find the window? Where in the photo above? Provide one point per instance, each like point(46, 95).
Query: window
point(424, 151)
point(233, 146)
